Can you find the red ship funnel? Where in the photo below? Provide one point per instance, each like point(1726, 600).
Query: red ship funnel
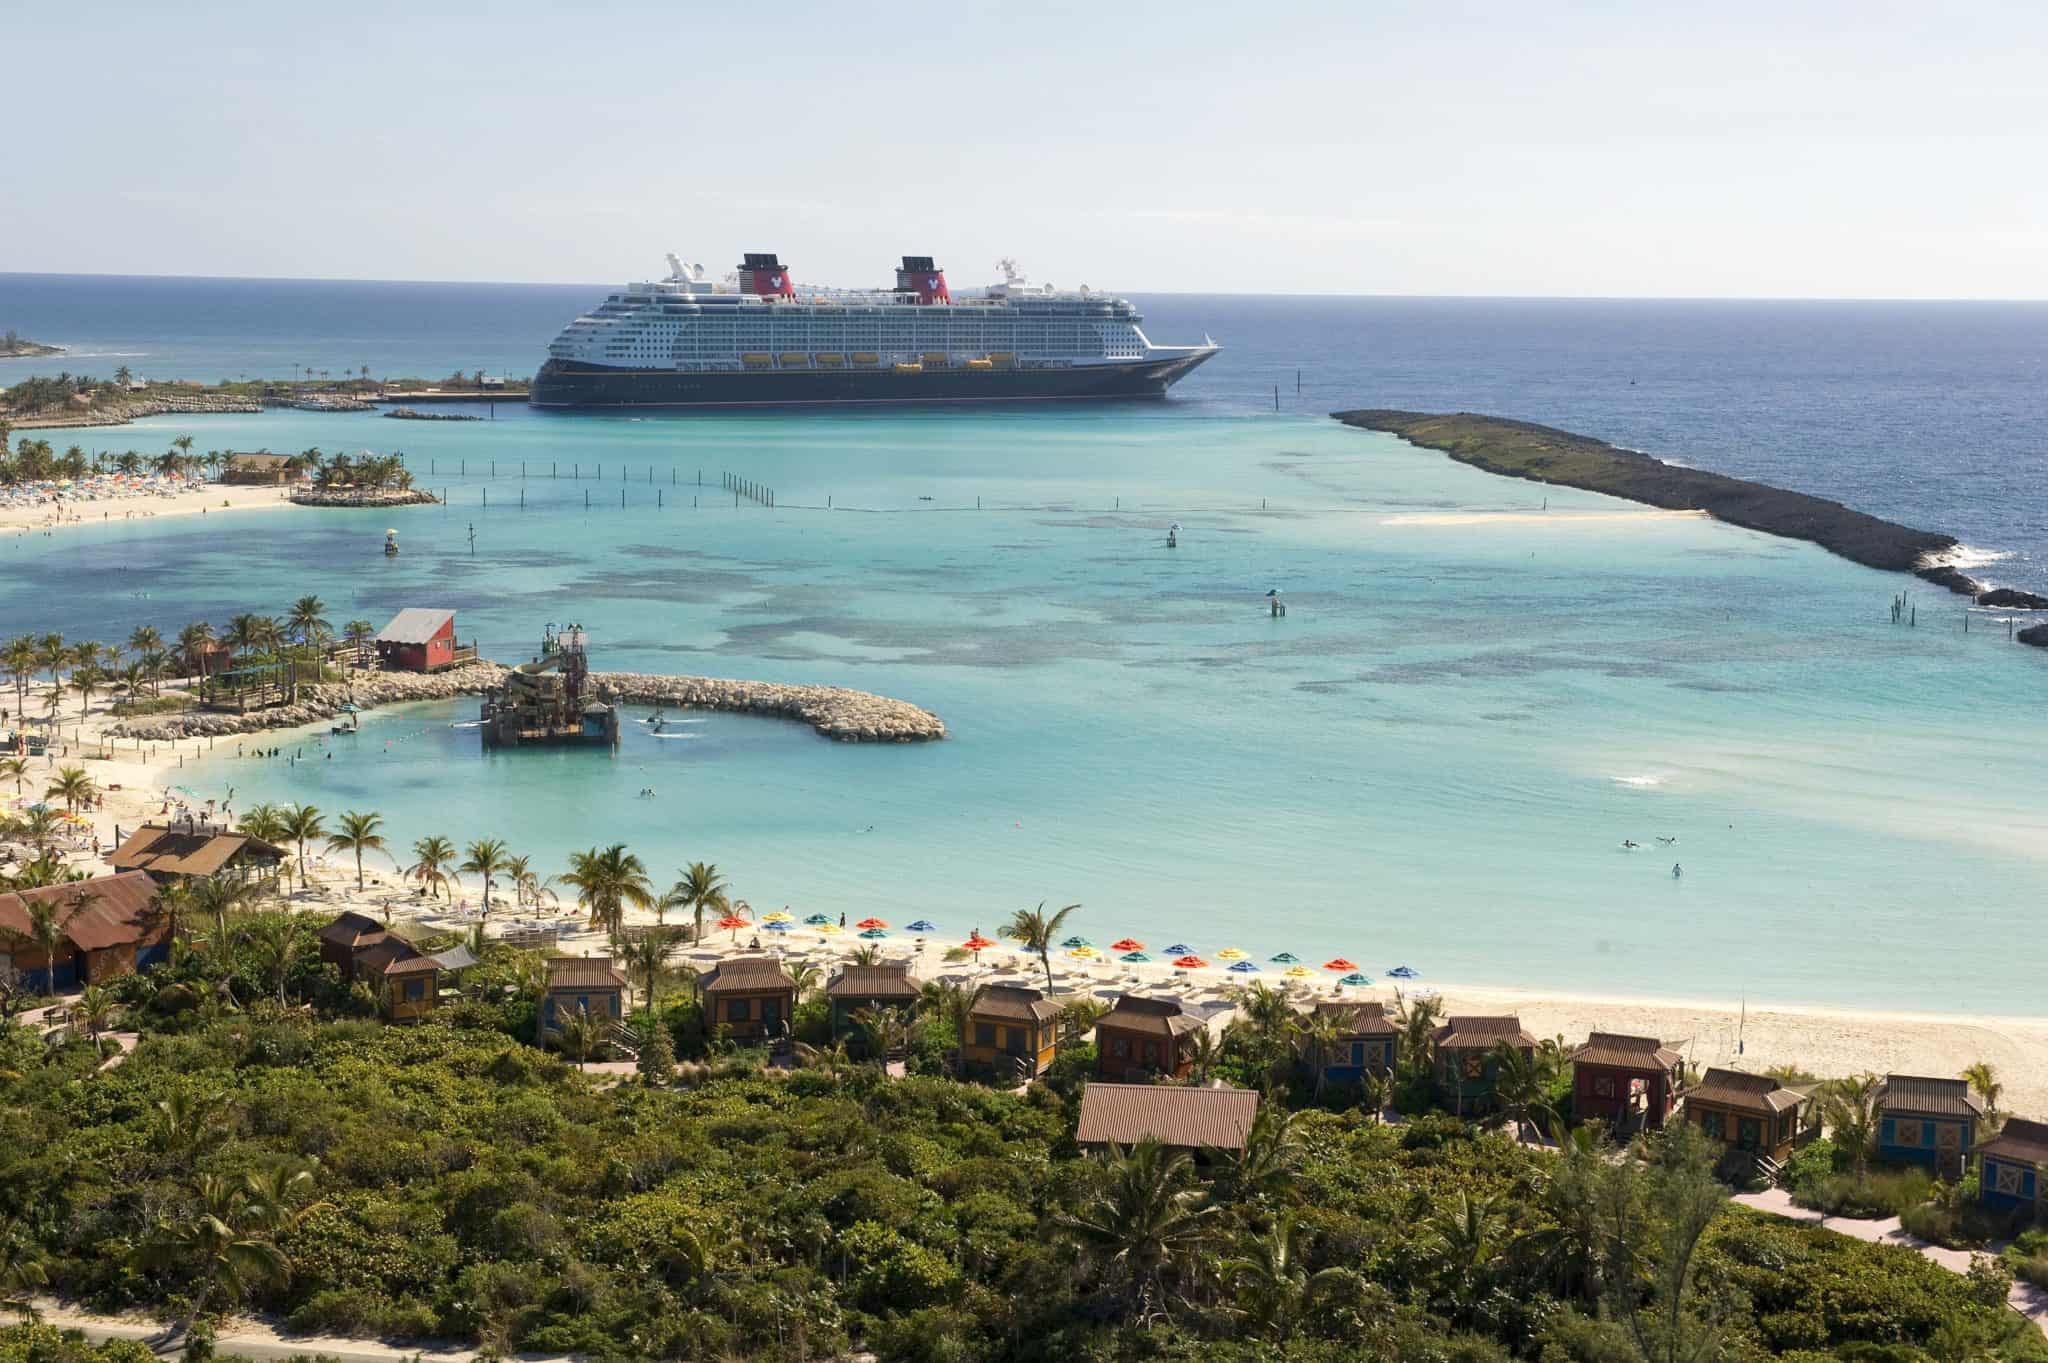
point(762, 273)
point(920, 276)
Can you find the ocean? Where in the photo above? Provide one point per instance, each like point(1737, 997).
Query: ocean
point(1481, 689)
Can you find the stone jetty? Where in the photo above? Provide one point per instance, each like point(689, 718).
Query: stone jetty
point(838, 713)
point(362, 496)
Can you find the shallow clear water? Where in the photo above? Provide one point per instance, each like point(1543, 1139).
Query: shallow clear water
point(1433, 759)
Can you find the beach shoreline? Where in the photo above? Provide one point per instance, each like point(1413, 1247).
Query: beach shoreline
point(56, 512)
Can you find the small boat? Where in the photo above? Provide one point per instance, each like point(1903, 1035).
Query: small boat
point(390, 544)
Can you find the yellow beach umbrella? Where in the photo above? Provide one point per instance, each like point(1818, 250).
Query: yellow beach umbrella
point(1230, 954)
point(1084, 952)
point(831, 929)
point(776, 916)
point(1299, 972)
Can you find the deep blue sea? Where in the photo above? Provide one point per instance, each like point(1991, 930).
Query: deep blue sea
point(1482, 688)
point(1933, 414)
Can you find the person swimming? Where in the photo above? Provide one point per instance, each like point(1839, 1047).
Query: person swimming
point(1677, 871)
point(1668, 842)
point(1629, 844)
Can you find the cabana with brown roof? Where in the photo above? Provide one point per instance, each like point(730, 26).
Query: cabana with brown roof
point(582, 983)
point(1751, 1112)
point(1927, 1121)
point(1467, 1064)
point(752, 997)
point(259, 469)
point(1014, 1025)
point(1629, 1082)
point(870, 988)
point(1176, 1116)
point(1143, 1036)
point(406, 981)
point(111, 926)
point(349, 933)
point(2012, 1168)
point(1369, 1042)
point(169, 853)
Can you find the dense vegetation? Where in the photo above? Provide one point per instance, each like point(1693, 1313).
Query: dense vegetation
point(450, 1179)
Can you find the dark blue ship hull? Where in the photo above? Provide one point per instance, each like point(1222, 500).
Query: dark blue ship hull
point(574, 384)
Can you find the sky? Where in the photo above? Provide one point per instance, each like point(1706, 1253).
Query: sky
point(1611, 150)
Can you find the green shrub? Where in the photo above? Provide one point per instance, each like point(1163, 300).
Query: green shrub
point(1878, 1194)
point(1809, 1164)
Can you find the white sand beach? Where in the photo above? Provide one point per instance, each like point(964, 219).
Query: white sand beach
point(47, 507)
point(143, 781)
point(1449, 518)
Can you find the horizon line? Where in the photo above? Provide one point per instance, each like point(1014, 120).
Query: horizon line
point(1172, 293)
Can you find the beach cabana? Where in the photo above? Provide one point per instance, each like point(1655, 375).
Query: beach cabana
point(1466, 1063)
point(1142, 1036)
point(419, 639)
point(1933, 1122)
point(1369, 1042)
point(349, 933)
point(1013, 1024)
point(1753, 1113)
point(752, 997)
point(168, 853)
point(588, 984)
point(408, 984)
point(870, 987)
point(1629, 1082)
point(259, 469)
point(1194, 1119)
point(2012, 1168)
point(111, 926)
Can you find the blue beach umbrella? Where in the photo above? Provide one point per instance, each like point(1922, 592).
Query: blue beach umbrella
point(873, 933)
point(817, 920)
point(1076, 941)
point(1354, 978)
point(1179, 950)
point(923, 925)
point(1244, 968)
point(1403, 972)
point(1284, 958)
point(777, 926)
point(1134, 957)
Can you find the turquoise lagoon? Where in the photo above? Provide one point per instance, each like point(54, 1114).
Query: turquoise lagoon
point(1432, 760)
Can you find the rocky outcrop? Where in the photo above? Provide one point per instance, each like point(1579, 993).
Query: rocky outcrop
point(2037, 635)
point(838, 713)
point(120, 413)
point(2012, 600)
point(1520, 449)
point(354, 496)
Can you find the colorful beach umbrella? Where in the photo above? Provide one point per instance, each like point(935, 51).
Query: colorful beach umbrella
point(1084, 952)
point(776, 916)
point(1243, 968)
point(1403, 972)
point(977, 943)
point(817, 920)
point(1076, 941)
point(1127, 944)
point(1284, 958)
point(829, 929)
point(1340, 965)
point(1178, 950)
point(873, 933)
point(1356, 979)
point(779, 925)
point(1230, 954)
point(1190, 962)
point(923, 925)
point(871, 923)
point(1135, 957)
point(1298, 972)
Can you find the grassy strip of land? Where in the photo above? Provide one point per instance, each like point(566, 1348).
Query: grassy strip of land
point(1520, 449)
point(14, 345)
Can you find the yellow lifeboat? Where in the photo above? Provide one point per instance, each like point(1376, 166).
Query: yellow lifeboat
point(865, 357)
point(831, 361)
point(756, 360)
point(792, 359)
point(1002, 359)
point(935, 358)
point(913, 367)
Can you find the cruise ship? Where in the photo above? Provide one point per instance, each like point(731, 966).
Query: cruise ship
point(756, 338)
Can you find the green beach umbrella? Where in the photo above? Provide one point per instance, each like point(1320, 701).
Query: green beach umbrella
point(1134, 957)
point(1284, 958)
point(1073, 942)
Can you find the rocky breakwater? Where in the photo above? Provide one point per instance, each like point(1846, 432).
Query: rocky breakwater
point(1543, 454)
point(840, 714)
point(834, 711)
point(362, 497)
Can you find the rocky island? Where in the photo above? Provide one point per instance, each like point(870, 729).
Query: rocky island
point(840, 714)
point(14, 345)
point(1544, 454)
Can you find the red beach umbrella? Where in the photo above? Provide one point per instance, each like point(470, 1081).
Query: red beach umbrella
point(1128, 944)
point(1189, 963)
point(1340, 965)
point(867, 923)
point(977, 944)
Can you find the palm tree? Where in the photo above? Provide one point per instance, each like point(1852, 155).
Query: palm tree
point(223, 1237)
point(647, 956)
point(1037, 933)
point(307, 618)
point(1271, 1157)
point(51, 653)
point(1417, 1020)
point(14, 769)
point(1850, 1110)
point(277, 941)
point(94, 1011)
point(700, 888)
point(359, 633)
point(194, 645)
point(1204, 1053)
point(136, 678)
point(956, 1003)
point(607, 882)
point(1319, 1035)
point(1521, 1083)
point(580, 1035)
point(1145, 1224)
point(486, 857)
point(738, 913)
point(219, 899)
point(1375, 1087)
point(431, 858)
point(1467, 1243)
point(1982, 1078)
point(144, 640)
point(358, 834)
point(86, 679)
point(46, 923)
point(71, 785)
point(21, 658)
point(21, 1273)
point(300, 824)
point(1271, 1284)
point(263, 822)
point(804, 977)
